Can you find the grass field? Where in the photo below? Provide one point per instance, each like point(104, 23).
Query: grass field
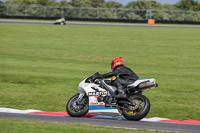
point(41, 65)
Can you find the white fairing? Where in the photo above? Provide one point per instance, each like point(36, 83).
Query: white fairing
point(96, 107)
point(93, 91)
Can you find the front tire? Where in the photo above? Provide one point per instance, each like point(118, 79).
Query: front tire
point(140, 110)
point(77, 110)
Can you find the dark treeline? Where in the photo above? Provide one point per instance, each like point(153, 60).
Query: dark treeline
point(192, 5)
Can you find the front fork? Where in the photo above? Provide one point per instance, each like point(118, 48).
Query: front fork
point(78, 104)
point(81, 95)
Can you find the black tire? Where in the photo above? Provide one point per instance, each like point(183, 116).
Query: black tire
point(140, 112)
point(79, 113)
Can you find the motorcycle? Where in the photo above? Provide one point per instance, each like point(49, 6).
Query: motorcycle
point(60, 22)
point(98, 97)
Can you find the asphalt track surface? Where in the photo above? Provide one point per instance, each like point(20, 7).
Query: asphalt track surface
point(108, 122)
point(98, 24)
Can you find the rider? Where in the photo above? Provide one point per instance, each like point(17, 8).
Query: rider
point(121, 76)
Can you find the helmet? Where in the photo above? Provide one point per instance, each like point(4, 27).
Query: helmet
point(116, 62)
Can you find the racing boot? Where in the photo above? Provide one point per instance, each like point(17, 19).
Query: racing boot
point(121, 93)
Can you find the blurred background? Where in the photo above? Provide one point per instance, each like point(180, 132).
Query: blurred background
point(163, 11)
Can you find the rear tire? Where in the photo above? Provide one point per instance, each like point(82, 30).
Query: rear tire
point(72, 103)
point(141, 111)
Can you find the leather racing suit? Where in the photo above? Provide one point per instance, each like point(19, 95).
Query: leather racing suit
point(121, 77)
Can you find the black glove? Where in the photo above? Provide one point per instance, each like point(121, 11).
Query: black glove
point(97, 77)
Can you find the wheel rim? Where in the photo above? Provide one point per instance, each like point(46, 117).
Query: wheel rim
point(77, 108)
point(139, 106)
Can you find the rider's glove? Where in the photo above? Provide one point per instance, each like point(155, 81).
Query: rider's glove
point(97, 77)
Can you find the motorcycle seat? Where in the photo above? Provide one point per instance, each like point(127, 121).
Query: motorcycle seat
point(139, 81)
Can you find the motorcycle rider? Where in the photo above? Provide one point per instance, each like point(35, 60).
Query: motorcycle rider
point(121, 76)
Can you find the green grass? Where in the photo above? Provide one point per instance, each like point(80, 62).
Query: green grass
point(30, 126)
point(41, 65)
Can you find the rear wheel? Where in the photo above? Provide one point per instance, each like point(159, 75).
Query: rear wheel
point(140, 110)
point(77, 107)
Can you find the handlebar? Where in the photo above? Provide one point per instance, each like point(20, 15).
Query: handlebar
point(91, 78)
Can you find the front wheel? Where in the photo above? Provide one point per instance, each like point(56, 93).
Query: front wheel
point(77, 106)
point(139, 111)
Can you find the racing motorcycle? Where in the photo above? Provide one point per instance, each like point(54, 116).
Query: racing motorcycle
point(98, 97)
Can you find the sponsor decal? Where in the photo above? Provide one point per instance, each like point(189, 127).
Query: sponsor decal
point(98, 93)
point(96, 104)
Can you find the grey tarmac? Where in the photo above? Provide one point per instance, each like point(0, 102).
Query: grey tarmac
point(161, 126)
point(99, 24)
